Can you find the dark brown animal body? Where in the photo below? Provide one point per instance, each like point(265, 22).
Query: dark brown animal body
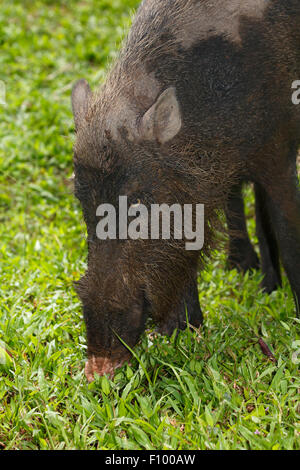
point(198, 102)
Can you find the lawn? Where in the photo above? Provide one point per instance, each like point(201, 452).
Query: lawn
point(208, 389)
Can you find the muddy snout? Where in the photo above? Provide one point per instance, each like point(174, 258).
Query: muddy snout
point(112, 336)
point(103, 366)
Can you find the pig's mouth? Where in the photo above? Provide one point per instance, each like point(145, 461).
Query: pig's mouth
point(106, 364)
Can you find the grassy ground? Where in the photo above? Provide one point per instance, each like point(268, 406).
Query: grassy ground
point(209, 390)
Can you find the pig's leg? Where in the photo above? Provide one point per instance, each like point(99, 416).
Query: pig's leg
point(241, 253)
point(283, 205)
point(268, 247)
point(189, 311)
point(190, 307)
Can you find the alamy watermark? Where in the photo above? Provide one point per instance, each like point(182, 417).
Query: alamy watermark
point(2, 93)
point(296, 353)
point(154, 223)
point(296, 93)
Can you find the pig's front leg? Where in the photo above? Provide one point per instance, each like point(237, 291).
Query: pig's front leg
point(189, 311)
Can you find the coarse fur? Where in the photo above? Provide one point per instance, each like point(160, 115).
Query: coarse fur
point(228, 66)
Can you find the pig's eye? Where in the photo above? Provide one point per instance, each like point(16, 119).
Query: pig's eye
point(141, 197)
point(134, 200)
point(135, 203)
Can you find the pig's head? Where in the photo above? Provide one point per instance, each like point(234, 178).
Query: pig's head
point(131, 150)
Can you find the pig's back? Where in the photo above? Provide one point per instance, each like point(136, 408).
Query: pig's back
point(232, 61)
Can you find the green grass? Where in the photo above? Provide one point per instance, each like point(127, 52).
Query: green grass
point(209, 390)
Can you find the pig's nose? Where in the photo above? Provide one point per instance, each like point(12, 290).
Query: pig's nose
point(102, 365)
point(98, 365)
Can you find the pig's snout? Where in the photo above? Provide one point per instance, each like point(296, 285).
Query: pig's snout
point(107, 335)
point(103, 365)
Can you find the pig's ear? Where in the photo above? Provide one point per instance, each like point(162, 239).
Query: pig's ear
point(81, 93)
point(162, 121)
